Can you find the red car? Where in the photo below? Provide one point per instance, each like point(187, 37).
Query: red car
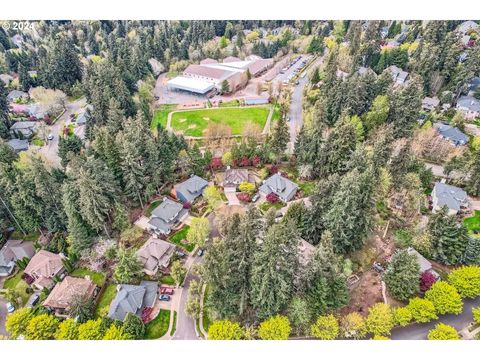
point(166, 290)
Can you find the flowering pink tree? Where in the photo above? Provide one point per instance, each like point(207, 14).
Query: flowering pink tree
point(272, 198)
point(427, 279)
point(273, 169)
point(244, 161)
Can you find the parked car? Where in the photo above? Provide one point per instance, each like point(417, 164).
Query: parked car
point(378, 267)
point(255, 198)
point(166, 290)
point(179, 253)
point(10, 308)
point(164, 297)
point(200, 252)
point(50, 137)
point(33, 300)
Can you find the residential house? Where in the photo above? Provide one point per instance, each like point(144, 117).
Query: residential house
point(66, 292)
point(454, 198)
point(133, 299)
point(7, 79)
point(155, 255)
point(233, 178)
point(43, 268)
point(423, 263)
point(165, 216)
point(429, 103)
point(467, 26)
point(190, 189)
point(451, 133)
point(284, 188)
point(473, 86)
point(23, 129)
point(12, 251)
point(470, 106)
point(16, 95)
point(18, 145)
point(398, 75)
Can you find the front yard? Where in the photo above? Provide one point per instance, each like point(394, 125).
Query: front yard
point(158, 327)
point(19, 285)
point(194, 122)
point(97, 278)
point(181, 235)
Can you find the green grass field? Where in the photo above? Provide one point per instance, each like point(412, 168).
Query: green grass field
point(158, 327)
point(97, 278)
point(160, 115)
point(473, 223)
point(179, 236)
point(194, 122)
point(104, 302)
point(16, 282)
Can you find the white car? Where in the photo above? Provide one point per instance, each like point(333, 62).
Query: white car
point(50, 137)
point(10, 308)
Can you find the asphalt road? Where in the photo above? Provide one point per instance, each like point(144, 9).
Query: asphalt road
point(295, 113)
point(420, 331)
point(185, 329)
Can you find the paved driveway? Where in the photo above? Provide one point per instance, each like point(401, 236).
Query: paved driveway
point(232, 198)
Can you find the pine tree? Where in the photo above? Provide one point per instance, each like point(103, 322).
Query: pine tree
point(4, 116)
point(280, 137)
point(402, 275)
point(449, 239)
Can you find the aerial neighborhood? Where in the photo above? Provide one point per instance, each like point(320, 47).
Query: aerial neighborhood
point(240, 180)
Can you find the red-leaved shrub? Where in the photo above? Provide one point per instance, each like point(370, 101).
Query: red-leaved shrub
point(427, 279)
point(244, 197)
point(216, 163)
point(272, 198)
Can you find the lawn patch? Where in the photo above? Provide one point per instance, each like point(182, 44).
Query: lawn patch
point(158, 327)
point(181, 235)
point(97, 278)
point(473, 223)
point(264, 207)
point(235, 118)
point(16, 282)
point(160, 116)
point(307, 187)
point(167, 279)
point(151, 207)
point(174, 325)
point(106, 298)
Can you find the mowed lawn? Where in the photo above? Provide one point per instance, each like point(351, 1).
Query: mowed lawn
point(194, 122)
point(473, 223)
point(160, 115)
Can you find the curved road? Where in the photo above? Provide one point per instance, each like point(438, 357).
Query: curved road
point(420, 331)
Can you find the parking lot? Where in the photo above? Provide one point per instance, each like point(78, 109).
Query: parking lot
point(294, 68)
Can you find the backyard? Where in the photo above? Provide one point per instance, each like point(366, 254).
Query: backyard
point(194, 122)
point(181, 235)
point(97, 278)
point(158, 327)
point(106, 299)
point(473, 223)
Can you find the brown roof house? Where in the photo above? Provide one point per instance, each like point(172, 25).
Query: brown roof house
point(43, 268)
point(64, 293)
point(233, 178)
point(13, 251)
point(155, 255)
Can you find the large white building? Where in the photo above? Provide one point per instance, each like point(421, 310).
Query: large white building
point(210, 74)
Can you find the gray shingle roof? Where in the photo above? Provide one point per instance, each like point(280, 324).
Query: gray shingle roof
point(469, 102)
point(192, 188)
point(18, 145)
point(167, 210)
point(451, 196)
point(129, 299)
point(279, 185)
point(451, 133)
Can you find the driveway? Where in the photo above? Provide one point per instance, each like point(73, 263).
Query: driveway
point(3, 311)
point(232, 198)
point(185, 329)
point(50, 150)
point(420, 331)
